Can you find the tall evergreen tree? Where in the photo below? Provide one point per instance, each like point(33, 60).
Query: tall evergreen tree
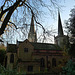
point(71, 24)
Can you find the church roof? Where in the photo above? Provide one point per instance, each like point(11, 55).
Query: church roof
point(45, 46)
point(12, 48)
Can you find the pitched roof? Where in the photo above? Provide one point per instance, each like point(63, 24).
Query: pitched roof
point(12, 48)
point(45, 46)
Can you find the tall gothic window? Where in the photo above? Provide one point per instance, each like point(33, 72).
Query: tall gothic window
point(30, 68)
point(42, 62)
point(5, 61)
point(12, 58)
point(53, 62)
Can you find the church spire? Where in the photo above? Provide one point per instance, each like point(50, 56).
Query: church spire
point(60, 29)
point(32, 29)
point(32, 34)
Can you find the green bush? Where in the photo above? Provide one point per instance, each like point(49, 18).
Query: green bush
point(69, 69)
point(4, 71)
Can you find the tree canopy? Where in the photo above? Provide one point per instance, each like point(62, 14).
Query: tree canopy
point(70, 24)
point(72, 21)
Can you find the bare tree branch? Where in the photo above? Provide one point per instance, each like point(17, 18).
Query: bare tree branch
point(11, 10)
point(34, 17)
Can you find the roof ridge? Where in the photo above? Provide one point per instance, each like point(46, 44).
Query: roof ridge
point(41, 43)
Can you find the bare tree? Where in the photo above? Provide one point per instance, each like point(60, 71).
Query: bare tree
point(27, 7)
point(20, 11)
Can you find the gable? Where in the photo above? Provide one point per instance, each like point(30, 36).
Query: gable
point(25, 43)
point(25, 50)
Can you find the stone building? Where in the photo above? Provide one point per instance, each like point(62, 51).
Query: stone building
point(32, 56)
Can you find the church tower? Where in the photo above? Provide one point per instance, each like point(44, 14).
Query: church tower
point(32, 33)
point(61, 39)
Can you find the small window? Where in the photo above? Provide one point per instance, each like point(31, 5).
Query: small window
point(25, 49)
point(30, 68)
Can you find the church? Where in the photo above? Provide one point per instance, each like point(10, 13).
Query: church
point(32, 56)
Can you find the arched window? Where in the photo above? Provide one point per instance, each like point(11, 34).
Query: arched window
point(5, 61)
point(53, 62)
point(42, 62)
point(12, 58)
